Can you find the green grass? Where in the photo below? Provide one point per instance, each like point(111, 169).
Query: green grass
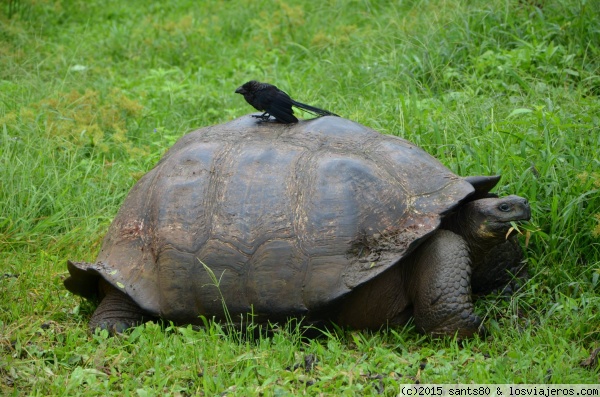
point(92, 93)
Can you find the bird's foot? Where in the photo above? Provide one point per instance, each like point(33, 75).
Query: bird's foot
point(262, 117)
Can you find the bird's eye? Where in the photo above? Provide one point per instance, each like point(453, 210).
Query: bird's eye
point(504, 207)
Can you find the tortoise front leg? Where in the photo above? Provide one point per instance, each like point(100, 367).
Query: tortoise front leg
point(116, 312)
point(442, 294)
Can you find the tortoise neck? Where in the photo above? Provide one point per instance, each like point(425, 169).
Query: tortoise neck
point(470, 224)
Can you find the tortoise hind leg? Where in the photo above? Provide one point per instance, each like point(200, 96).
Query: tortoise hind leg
point(116, 312)
point(442, 297)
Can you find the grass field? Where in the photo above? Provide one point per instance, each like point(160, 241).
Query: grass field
point(92, 93)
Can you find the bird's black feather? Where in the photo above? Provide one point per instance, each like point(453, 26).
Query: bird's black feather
point(274, 102)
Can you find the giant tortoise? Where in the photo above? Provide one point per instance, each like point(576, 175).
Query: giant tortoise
point(324, 220)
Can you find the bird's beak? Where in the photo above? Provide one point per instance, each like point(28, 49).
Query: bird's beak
point(240, 90)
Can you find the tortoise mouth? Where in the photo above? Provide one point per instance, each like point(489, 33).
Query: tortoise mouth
point(506, 229)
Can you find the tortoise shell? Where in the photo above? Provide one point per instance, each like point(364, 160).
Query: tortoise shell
point(278, 220)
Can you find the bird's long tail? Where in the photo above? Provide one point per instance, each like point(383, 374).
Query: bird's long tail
point(313, 110)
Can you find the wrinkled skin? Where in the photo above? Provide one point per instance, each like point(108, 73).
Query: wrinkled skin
point(324, 220)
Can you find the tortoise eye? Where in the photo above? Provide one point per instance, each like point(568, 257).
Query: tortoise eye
point(504, 207)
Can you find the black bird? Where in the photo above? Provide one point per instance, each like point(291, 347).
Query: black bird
point(273, 102)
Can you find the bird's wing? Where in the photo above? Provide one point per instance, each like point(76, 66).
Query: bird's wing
point(281, 108)
point(279, 105)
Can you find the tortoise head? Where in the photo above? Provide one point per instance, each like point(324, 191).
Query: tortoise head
point(488, 221)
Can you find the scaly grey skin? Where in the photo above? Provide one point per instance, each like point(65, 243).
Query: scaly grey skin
point(116, 312)
point(501, 271)
point(438, 275)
